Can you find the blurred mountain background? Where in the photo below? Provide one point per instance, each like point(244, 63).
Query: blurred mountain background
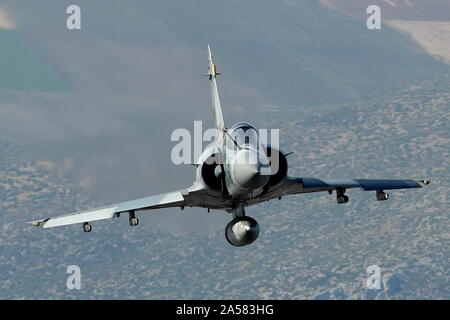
point(86, 118)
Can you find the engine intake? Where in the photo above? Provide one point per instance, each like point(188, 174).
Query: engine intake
point(279, 165)
point(211, 173)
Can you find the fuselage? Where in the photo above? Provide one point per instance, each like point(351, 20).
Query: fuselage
point(245, 160)
point(239, 163)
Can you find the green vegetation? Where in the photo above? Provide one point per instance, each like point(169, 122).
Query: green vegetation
point(22, 68)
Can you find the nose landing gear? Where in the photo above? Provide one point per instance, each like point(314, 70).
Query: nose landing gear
point(239, 210)
point(242, 230)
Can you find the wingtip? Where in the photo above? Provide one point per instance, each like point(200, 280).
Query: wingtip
point(37, 223)
point(424, 181)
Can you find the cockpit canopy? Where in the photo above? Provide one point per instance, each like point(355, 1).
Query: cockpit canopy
point(244, 134)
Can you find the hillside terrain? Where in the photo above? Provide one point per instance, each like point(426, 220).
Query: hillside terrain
point(426, 22)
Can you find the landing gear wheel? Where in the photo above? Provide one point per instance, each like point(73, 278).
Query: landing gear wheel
point(242, 231)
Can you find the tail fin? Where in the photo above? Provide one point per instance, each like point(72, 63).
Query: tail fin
point(220, 124)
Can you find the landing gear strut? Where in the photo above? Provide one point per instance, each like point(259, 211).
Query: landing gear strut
point(132, 219)
point(239, 210)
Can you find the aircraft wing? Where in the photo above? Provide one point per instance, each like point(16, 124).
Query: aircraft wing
point(179, 198)
point(306, 185)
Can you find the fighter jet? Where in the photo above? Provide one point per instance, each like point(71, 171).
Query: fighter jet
point(235, 171)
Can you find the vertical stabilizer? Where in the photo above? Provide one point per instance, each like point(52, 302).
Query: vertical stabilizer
point(215, 93)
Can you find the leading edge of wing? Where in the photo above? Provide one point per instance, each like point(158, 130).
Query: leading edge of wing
point(165, 200)
point(364, 184)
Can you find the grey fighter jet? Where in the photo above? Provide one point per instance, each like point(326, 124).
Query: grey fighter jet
point(235, 171)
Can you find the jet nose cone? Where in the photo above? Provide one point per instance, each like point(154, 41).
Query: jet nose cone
point(247, 171)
